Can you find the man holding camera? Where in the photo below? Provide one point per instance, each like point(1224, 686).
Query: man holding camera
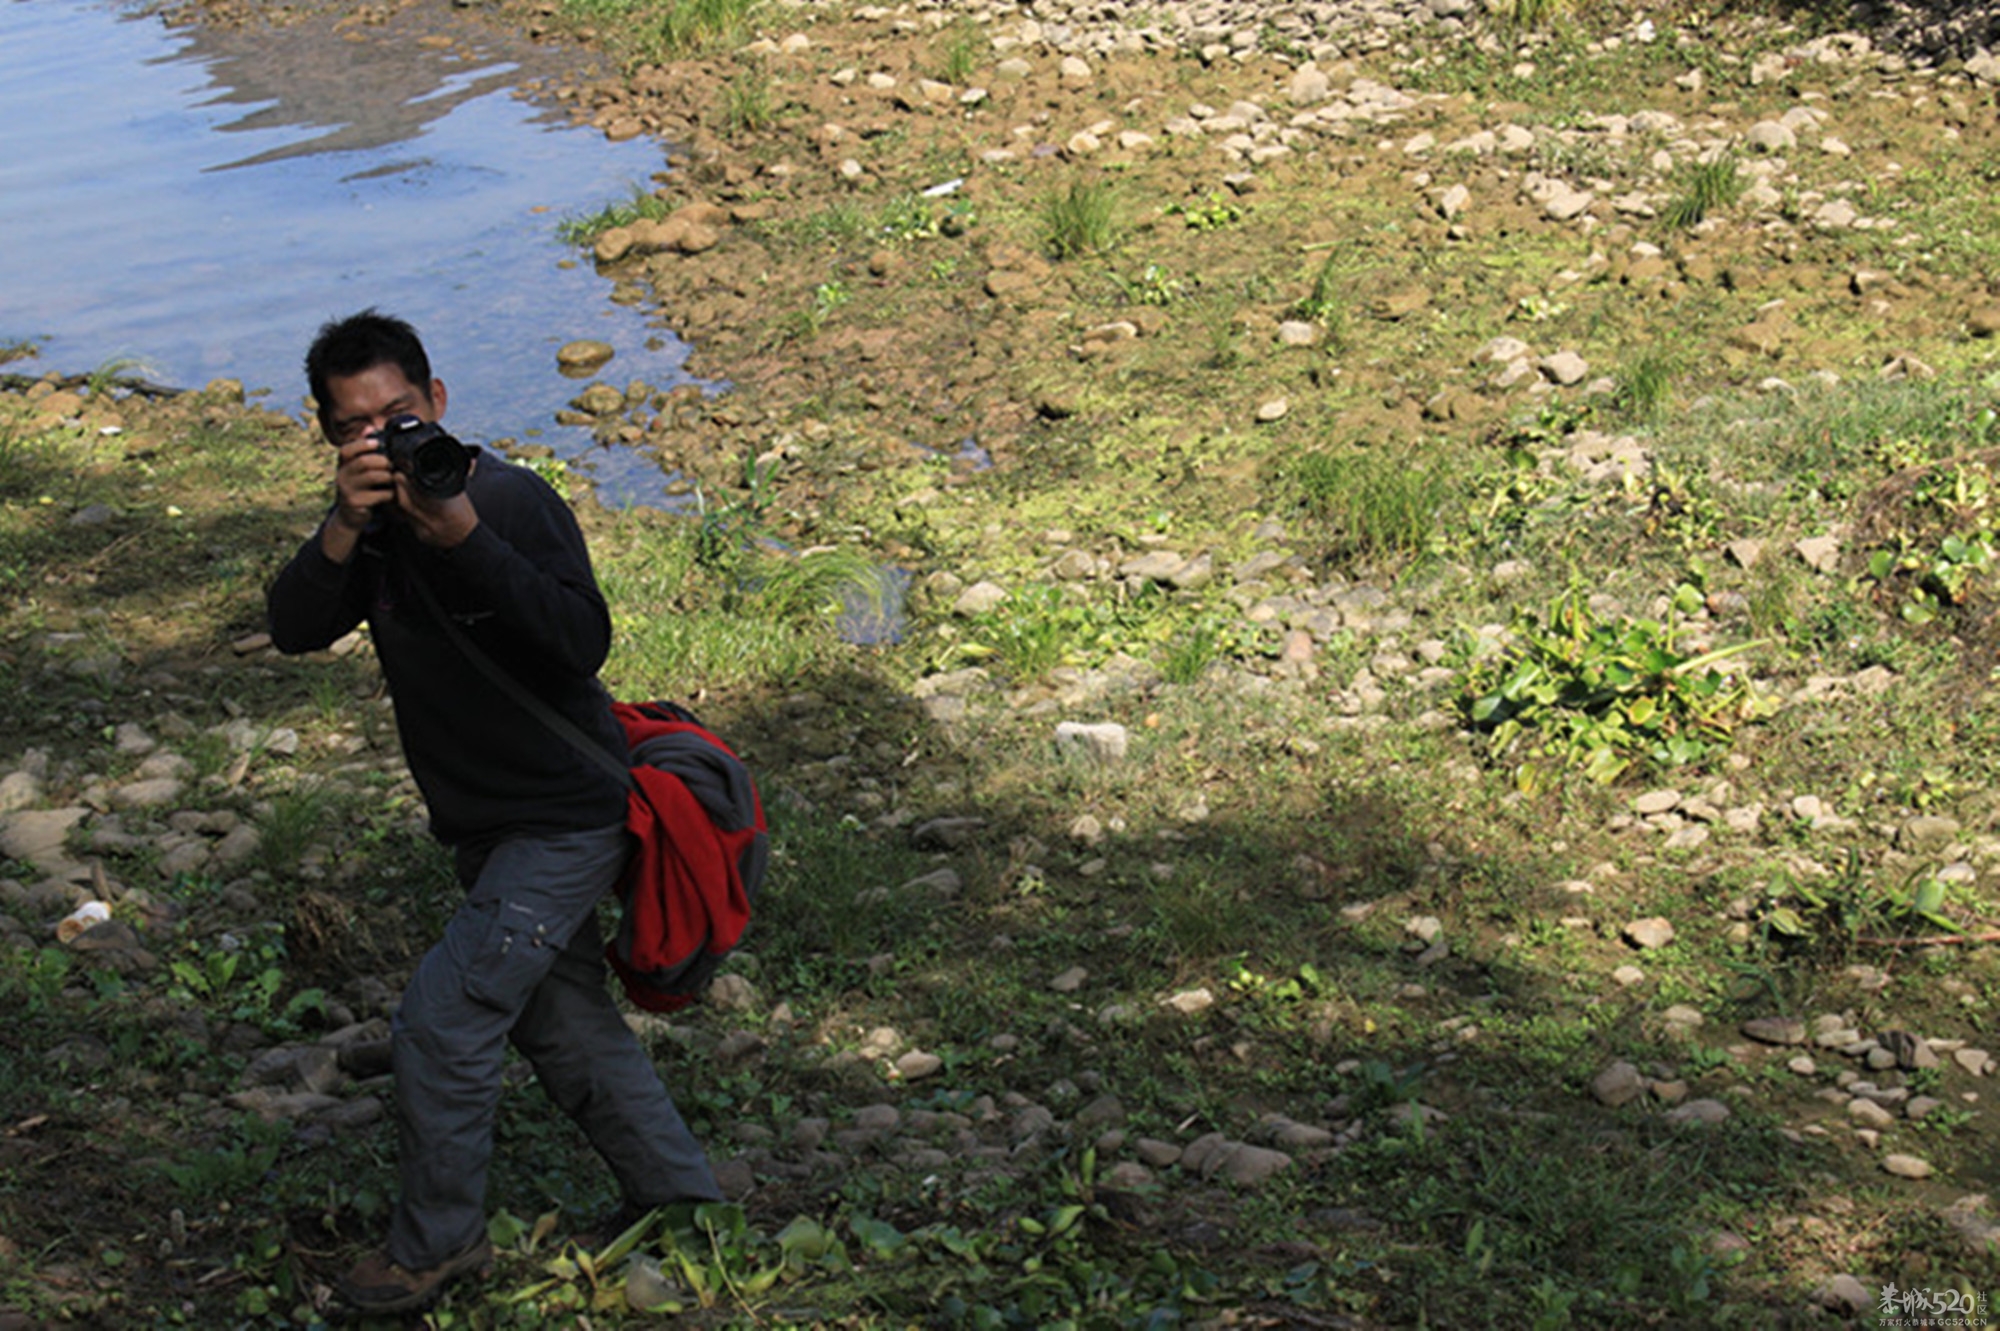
point(423, 530)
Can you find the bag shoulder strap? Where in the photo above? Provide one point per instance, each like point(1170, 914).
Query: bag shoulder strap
point(517, 691)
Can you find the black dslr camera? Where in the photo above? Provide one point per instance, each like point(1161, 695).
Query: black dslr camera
point(436, 463)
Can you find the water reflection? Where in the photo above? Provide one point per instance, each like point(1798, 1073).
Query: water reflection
point(366, 92)
point(200, 200)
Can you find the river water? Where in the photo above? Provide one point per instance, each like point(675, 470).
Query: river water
point(200, 200)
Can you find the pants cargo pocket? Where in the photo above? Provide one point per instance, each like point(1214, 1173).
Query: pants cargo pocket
point(520, 946)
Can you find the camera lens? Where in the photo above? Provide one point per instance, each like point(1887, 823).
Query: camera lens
point(436, 463)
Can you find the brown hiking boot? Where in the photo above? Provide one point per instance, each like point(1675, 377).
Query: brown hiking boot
point(378, 1285)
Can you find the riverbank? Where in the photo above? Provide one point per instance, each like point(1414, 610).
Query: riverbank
point(1437, 774)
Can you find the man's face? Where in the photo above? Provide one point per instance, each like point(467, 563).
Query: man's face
point(360, 404)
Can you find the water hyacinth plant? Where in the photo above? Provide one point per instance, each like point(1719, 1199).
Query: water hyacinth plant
point(1607, 696)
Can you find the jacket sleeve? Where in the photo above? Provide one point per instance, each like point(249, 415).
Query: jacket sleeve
point(526, 563)
point(313, 601)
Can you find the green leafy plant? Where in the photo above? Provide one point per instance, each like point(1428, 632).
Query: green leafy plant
point(1042, 626)
point(1030, 632)
point(1937, 578)
point(1678, 507)
point(916, 217)
point(1306, 983)
point(1799, 910)
point(673, 1260)
point(1209, 639)
point(243, 978)
point(297, 819)
point(32, 980)
point(1321, 305)
point(1604, 696)
point(725, 530)
point(826, 298)
point(113, 372)
point(1950, 544)
point(1380, 1084)
point(229, 1172)
point(1213, 212)
point(550, 468)
point(809, 319)
point(1944, 1120)
point(1919, 904)
point(1796, 909)
point(1153, 286)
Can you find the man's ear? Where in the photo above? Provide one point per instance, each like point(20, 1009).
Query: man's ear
point(437, 399)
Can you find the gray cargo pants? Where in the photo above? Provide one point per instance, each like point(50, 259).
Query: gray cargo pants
point(522, 960)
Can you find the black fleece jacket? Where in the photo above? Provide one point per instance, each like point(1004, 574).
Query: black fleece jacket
point(520, 588)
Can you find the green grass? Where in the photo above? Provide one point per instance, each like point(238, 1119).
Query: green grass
point(690, 26)
point(1704, 189)
point(1573, 1237)
point(1325, 303)
point(961, 47)
point(1083, 218)
point(585, 228)
point(749, 104)
point(838, 223)
point(1645, 388)
point(1374, 504)
point(295, 824)
point(1533, 15)
point(654, 30)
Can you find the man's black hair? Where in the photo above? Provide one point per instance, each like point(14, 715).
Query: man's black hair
point(361, 342)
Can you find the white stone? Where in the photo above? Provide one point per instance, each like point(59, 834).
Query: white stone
point(1565, 368)
point(1768, 136)
point(1101, 742)
point(978, 599)
point(1907, 1166)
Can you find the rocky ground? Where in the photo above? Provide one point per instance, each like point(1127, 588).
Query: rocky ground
point(895, 372)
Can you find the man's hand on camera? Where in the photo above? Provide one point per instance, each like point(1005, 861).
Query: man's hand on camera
point(365, 482)
point(442, 523)
point(362, 481)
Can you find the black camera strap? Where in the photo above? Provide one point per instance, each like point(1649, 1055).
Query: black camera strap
point(516, 690)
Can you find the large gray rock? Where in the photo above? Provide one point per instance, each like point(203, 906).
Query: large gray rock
point(1907, 1166)
point(1619, 1084)
point(1217, 1156)
point(311, 1068)
point(1702, 1112)
point(1844, 1294)
point(19, 790)
point(37, 837)
point(1776, 1030)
